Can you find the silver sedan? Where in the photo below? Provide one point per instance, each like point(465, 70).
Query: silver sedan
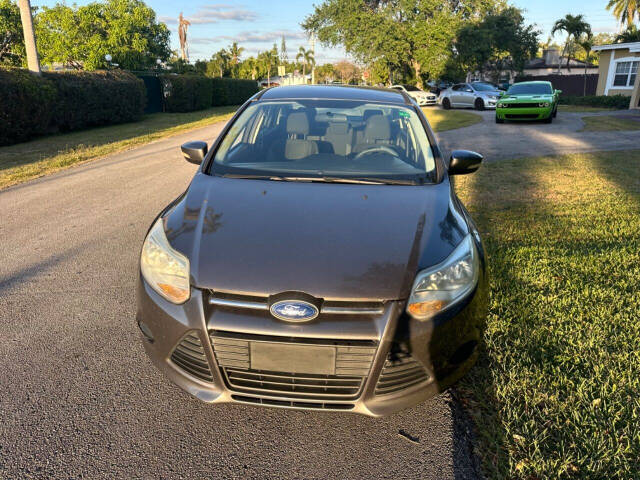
point(478, 95)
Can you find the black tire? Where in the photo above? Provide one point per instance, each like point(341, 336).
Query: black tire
point(499, 120)
point(555, 112)
point(479, 104)
point(549, 119)
point(446, 104)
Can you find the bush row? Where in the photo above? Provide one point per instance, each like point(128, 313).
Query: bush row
point(186, 93)
point(610, 101)
point(53, 102)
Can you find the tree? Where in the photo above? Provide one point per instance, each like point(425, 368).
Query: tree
point(218, 66)
point(418, 33)
point(12, 52)
point(631, 34)
point(284, 58)
point(499, 42)
point(325, 73)
point(347, 71)
point(587, 43)
point(574, 26)
point(625, 10)
point(81, 36)
point(306, 58)
point(267, 60)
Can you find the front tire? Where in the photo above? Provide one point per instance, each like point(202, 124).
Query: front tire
point(479, 104)
point(555, 112)
point(549, 119)
point(446, 104)
point(499, 120)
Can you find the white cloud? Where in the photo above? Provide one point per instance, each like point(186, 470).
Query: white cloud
point(214, 13)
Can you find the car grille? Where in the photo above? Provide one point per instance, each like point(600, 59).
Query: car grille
point(189, 356)
point(292, 404)
point(400, 371)
point(521, 105)
point(353, 361)
point(521, 115)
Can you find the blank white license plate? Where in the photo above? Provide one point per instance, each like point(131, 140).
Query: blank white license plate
point(281, 357)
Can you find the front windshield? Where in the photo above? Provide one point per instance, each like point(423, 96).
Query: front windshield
point(327, 139)
point(530, 89)
point(411, 88)
point(484, 87)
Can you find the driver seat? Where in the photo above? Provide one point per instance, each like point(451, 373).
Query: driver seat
point(376, 132)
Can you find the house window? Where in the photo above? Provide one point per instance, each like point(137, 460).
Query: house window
point(625, 74)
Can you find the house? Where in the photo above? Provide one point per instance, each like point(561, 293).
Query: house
point(619, 71)
point(548, 65)
point(542, 66)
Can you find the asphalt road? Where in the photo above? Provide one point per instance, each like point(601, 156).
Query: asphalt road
point(79, 398)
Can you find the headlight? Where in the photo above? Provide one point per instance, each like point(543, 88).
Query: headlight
point(166, 270)
point(543, 104)
point(440, 287)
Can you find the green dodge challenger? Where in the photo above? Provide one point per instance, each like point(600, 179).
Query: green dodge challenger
point(528, 101)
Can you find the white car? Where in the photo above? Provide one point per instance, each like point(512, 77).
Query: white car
point(421, 97)
point(478, 95)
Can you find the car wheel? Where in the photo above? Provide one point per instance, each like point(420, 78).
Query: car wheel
point(555, 112)
point(446, 104)
point(549, 119)
point(479, 104)
point(499, 120)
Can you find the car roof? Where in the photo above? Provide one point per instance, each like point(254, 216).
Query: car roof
point(534, 81)
point(335, 92)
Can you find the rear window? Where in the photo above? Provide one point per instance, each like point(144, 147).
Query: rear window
point(530, 89)
point(327, 138)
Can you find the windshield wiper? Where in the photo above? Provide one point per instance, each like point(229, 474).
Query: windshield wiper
point(327, 179)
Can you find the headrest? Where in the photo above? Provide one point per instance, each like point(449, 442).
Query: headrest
point(367, 114)
point(378, 128)
point(298, 123)
point(338, 128)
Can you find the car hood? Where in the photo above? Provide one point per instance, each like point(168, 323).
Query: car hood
point(337, 241)
point(526, 98)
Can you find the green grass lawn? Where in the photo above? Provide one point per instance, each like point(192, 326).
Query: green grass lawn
point(556, 393)
point(608, 123)
point(441, 120)
point(24, 161)
point(583, 109)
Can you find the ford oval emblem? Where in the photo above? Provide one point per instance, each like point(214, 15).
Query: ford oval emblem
point(294, 311)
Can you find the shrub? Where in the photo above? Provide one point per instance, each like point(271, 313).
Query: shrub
point(88, 99)
point(186, 93)
point(63, 101)
point(26, 105)
point(610, 101)
point(232, 91)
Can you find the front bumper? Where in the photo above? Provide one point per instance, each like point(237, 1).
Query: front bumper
point(394, 360)
point(426, 101)
point(524, 114)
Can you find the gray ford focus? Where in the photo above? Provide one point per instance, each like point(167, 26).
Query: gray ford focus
point(319, 259)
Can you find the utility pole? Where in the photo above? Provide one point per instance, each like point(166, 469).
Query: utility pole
point(33, 61)
point(313, 65)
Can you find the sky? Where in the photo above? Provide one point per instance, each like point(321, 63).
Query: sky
point(257, 24)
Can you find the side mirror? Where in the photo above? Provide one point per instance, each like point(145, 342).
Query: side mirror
point(463, 162)
point(558, 92)
point(194, 152)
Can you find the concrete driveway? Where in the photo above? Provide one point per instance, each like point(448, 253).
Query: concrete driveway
point(529, 139)
point(81, 400)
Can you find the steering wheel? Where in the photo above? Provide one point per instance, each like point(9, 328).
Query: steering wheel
point(375, 149)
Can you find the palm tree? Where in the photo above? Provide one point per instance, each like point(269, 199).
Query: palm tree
point(234, 53)
point(574, 26)
point(625, 10)
point(587, 44)
point(221, 59)
point(631, 34)
point(307, 59)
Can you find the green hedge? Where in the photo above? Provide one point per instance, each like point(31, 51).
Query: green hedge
point(609, 101)
point(64, 101)
point(232, 91)
point(26, 106)
point(186, 93)
point(88, 99)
